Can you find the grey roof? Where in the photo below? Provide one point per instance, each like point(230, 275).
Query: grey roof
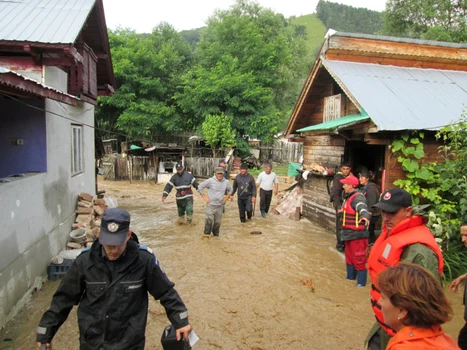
point(400, 40)
point(398, 98)
point(43, 21)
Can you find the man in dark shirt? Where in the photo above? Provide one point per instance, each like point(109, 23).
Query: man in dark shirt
point(246, 186)
point(110, 282)
point(182, 181)
point(337, 198)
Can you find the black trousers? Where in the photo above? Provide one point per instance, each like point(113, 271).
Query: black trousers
point(265, 197)
point(338, 229)
point(462, 339)
point(245, 205)
point(371, 229)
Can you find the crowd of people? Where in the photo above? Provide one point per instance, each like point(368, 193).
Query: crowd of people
point(404, 262)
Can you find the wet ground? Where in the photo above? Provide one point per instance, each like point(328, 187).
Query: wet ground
point(243, 291)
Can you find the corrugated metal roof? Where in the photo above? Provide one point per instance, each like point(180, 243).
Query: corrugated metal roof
point(399, 98)
point(400, 39)
point(43, 21)
point(333, 124)
point(6, 71)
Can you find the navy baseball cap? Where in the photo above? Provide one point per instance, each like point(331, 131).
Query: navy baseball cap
point(115, 224)
point(179, 166)
point(394, 199)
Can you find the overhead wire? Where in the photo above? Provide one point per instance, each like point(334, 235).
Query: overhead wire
point(63, 116)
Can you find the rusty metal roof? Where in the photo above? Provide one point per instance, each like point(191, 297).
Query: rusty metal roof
point(399, 98)
point(43, 21)
point(399, 39)
point(22, 85)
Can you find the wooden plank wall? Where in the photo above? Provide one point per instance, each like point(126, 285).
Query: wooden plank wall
point(316, 204)
point(326, 151)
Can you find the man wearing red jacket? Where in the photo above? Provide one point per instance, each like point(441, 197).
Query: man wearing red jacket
point(404, 238)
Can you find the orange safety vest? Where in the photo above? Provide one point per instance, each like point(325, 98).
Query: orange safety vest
point(387, 250)
point(350, 216)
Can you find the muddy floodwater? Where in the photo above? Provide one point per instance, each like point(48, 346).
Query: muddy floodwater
point(243, 291)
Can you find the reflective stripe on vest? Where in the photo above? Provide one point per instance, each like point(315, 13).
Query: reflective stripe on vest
point(387, 251)
point(350, 217)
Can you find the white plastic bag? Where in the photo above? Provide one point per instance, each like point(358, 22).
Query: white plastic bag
point(111, 202)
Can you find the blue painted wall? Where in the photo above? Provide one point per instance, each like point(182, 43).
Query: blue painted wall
point(18, 121)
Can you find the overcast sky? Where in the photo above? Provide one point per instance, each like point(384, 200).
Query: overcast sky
point(143, 15)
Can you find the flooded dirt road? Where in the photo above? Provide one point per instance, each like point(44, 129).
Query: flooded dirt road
point(242, 291)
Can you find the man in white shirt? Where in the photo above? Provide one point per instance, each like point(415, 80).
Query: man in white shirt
point(267, 182)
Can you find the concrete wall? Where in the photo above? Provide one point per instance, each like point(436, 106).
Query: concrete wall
point(38, 210)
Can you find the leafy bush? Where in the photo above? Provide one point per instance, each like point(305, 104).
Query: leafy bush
point(442, 184)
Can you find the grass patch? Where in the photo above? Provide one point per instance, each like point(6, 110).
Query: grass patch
point(315, 30)
point(279, 168)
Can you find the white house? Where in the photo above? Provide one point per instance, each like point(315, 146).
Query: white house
point(54, 62)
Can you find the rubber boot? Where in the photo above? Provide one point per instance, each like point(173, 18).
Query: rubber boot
point(263, 214)
point(249, 214)
point(181, 220)
point(351, 273)
point(189, 220)
point(361, 278)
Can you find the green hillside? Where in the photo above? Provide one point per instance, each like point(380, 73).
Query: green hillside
point(315, 30)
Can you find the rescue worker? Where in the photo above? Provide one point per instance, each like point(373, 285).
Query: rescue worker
point(337, 199)
point(354, 221)
point(404, 238)
point(267, 182)
point(182, 181)
point(371, 192)
point(110, 281)
point(217, 187)
point(245, 184)
point(462, 338)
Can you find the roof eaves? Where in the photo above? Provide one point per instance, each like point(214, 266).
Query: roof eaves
point(400, 40)
point(20, 82)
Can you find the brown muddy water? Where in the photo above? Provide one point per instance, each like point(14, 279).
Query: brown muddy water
point(243, 291)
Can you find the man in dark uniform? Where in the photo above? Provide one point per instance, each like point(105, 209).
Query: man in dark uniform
point(182, 181)
point(246, 186)
point(337, 198)
point(110, 281)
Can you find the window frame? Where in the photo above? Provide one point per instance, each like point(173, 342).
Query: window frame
point(77, 153)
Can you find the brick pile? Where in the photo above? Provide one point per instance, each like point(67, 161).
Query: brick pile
point(89, 212)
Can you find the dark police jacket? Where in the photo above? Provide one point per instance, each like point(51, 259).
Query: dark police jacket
point(112, 313)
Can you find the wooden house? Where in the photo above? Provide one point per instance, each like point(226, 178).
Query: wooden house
point(363, 92)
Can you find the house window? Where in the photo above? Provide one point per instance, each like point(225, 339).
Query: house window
point(332, 108)
point(76, 149)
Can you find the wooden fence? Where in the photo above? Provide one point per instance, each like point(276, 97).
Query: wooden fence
point(117, 167)
point(202, 167)
point(281, 152)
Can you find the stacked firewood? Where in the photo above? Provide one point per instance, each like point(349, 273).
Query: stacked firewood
point(89, 212)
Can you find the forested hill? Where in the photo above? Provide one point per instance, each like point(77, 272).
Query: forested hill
point(348, 18)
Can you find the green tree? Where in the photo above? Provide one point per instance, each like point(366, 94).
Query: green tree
point(427, 19)
point(248, 62)
point(148, 70)
point(348, 18)
point(218, 133)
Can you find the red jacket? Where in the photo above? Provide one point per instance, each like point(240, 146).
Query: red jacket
point(387, 251)
point(414, 338)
